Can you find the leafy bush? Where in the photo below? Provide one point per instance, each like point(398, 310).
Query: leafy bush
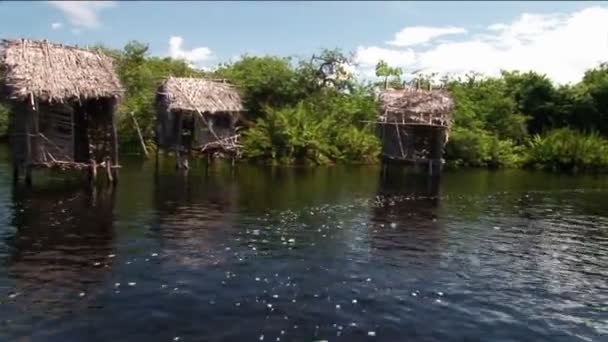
point(568, 149)
point(479, 148)
point(319, 130)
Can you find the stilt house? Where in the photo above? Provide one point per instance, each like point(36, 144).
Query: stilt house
point(197, 114)
point(413, 125)
point(64, 100)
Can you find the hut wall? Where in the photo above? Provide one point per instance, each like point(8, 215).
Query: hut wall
point(177, 129)
point(67, 132)
point(410, 142)
point(222, 126)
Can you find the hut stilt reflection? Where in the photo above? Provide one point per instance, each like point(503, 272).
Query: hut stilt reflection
point(61, 235)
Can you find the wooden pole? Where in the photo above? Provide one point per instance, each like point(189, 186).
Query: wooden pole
point(109, 170)
point(399, 139)
point(141, 138)
point(93, 171)
point(114, 145)
point(178, 141)
point(28, 147)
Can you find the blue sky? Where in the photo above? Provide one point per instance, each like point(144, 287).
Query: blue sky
point(443, 37)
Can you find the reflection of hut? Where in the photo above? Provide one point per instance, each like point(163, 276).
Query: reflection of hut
point(197, 114)
point(413, 125)
point(196, 216)
point(61, 246)
point(65, 102)
point(405, 219)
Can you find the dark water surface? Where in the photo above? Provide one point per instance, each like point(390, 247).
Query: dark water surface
point(335, 254)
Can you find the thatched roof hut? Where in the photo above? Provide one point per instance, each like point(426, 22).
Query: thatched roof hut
point(416, 106)
point(198, 114)
point(65, 99)
point(56, 73)
point(413, 125)
point(187, 94)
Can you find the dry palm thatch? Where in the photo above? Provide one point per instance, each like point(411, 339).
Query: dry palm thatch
point(200, 95)
point(416, 106)
point(56, 73)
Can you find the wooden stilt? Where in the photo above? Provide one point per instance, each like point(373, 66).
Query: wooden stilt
point(28, 175)
point(114, 146)
point(178, 143)
point(93, 172)
point(141, 138)
point(109, 170)
point(15, 173)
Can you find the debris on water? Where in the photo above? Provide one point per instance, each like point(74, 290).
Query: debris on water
point(275, 296)
point(414, 294)
point(393, 225)
point(353, 324)
point(371, 333)
point(237, 304)
point(163, 286)
point(354, 301)
point(257, 278)
point(293, 300)
point(116, 284)
point(13, 295)
point(269, 306)
point(282, 332)
point(440, 293)
point(132, 283)
point(147, 259)
point(154, 254)
point(82, 294)
point(97, 264)
point(292, 240)
point(111, 256)
point(176, 338)
point(338, 306)
point(497, 228)
point(262, 337)
point(369, 279)
point(438, 300)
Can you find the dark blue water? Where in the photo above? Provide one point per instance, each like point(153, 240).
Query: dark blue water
point(336, 254)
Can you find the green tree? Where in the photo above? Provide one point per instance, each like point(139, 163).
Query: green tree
point(386, 71)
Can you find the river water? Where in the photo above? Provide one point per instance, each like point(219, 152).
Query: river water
point(336, 254)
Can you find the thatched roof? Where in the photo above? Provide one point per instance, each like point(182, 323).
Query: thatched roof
point(52, 72)
point(417, 106)
point(190, 94)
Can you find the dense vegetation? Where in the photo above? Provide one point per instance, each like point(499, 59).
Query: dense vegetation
point(314, 111)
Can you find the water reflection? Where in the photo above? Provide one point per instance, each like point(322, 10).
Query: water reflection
point(195, 216)
point(62, 248)
point(404, 221)
point(306, 254)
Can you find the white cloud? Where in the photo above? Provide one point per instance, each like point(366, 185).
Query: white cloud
point(193, 56)
point(83, 14)
point(562, 46)
point(415, 35)
point(366, 58)
point(56, 26)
